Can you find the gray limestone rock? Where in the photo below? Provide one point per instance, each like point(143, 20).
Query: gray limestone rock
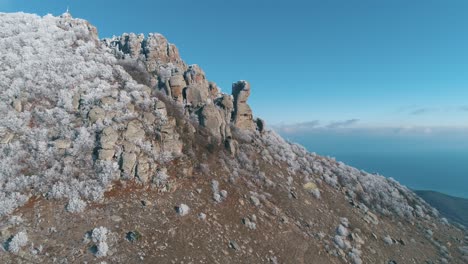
point(128, 164)
point(243, 117)
point(96, 114)
point(108, 138)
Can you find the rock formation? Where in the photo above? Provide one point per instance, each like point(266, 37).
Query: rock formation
point(187, 85)
point(243, 117)
point(117, 151)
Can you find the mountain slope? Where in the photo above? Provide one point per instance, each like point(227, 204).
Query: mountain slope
point(454, 208)
point(117, 150)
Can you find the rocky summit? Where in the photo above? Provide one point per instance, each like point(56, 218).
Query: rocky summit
point(117, 151)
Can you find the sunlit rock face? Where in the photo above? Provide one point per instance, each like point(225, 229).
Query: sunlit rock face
point(186, 84)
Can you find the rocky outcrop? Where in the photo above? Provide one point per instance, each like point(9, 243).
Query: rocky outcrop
point(155, 50)
point(87, 125)
point(242, 116)
point(188, 85)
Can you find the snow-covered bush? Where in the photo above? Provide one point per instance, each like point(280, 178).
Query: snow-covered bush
point(76, 205)
point(161, 178)
point(384, 195)
point(99, 236)
point(17, 242)
point(102, 249)
point(59, 89)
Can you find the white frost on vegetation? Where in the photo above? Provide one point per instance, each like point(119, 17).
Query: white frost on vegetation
point(17, 242)
point(53, 71)
point(99, 236)
point(384, 195)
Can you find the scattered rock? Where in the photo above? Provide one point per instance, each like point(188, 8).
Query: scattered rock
point(340, 242)
point(388, 240)
point(342, 231)
point(201, 216)
point(371, 218)
point(248, 223)
point(429, 233)
point(183, 209)
point(255, 201)
point(116, 218)
point(234, 245)
point(62, 143)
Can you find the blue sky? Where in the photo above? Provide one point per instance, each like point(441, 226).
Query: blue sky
point(353, 63)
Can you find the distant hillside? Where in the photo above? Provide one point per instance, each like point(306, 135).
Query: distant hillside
point(454, 208)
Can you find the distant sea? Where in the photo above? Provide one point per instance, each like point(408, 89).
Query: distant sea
point(421, 162)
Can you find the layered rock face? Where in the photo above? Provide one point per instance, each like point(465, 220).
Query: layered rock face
point(187, 84)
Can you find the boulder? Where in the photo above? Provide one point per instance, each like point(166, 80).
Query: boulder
point(197, 91)
point(195, 95)
point(243, 117)
point(371, 218)
point(108, 138)
point(96, 114)
point(106, 154)
point(130, 147)
point(177, 84)
point(17, 105)
point(148, 118)
point(142, 170)
point(62, 143)
point(231, 146)
point(76, 101)
point(128, 164)
point(169, 137)
point(134, 131)
point(7, 138)
point(211, 118)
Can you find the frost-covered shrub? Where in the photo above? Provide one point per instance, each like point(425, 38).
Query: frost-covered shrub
point(10, 201)
point(17, 242)
point(99, 236)
point(218, 195)
point(59, 89)
point(102, 249)
point(384, 195)
point(161, 178)
point(76, 205)
point(355, 256)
